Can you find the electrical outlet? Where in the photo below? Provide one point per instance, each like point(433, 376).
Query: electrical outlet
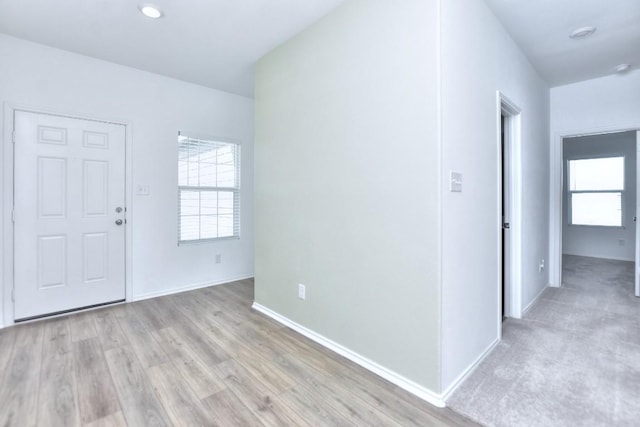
point(302, 291)
point(218, 258)
point(541, 266)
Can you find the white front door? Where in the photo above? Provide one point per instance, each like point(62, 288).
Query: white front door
point(69, 230)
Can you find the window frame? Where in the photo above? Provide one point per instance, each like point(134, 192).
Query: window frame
point(571, 192)
point(235, 190)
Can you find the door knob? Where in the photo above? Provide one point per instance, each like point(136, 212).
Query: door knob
point(118, 222)
point(118, 209)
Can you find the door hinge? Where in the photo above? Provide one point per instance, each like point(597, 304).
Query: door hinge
point(13, 216)
point(13, 136)
point(506, 225)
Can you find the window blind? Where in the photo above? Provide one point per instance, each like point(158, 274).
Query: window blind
point(209, 188)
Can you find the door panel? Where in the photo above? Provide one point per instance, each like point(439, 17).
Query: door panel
point(69, 179)
point(52, 187)
point(52, 261)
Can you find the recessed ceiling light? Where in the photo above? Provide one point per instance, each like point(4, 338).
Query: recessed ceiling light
point(622, 68)
point(150, 11)
point(582, 32)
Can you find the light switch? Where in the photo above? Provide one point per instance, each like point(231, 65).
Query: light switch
point(455, 182)
point(143, 190)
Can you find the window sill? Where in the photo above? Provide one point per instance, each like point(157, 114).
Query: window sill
point(204, 241)
point(622, 227)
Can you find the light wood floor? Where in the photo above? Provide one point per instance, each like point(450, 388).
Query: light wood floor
point(196, 358)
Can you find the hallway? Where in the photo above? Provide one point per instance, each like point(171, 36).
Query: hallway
point(574, 359)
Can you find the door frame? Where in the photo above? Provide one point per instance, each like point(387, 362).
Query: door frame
point(7, 185)
point(555, 193)
point(636, 272)
point(513, 137)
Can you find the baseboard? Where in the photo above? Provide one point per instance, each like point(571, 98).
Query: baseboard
point(468, 371)
point(389, 375)
point(533, 301)
point(190, 287)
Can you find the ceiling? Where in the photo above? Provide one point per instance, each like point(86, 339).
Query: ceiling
point(216, 43)
point(541, 28)
point(213, 43)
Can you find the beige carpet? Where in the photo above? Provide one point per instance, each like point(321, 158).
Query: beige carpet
point(574, 360)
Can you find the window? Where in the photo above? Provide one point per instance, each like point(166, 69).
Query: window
point(209, 189)
point(596, 191)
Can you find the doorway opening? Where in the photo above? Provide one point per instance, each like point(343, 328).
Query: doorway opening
point(509, 212)
point(505, 218)
point(557, 196)
point(599, 198)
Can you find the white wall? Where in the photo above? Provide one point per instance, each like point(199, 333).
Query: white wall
point(157, 108)
point(347, 170)
point(603, 242)
point(478, 59)
point(601, 105)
